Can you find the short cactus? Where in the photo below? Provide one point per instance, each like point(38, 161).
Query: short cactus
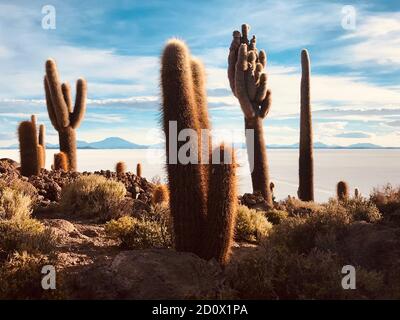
point(60, 161)
point(202, 196)
point(120, 168)
point(28, 148)
point(139, 170)
point(342, 190)
point(248, 81)
point(32, 148)
point(63, 116)
point(306, 158)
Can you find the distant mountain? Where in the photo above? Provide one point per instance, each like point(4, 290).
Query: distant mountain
point(115, 143)
point(119, 143)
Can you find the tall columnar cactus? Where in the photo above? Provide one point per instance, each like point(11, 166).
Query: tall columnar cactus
point(306, 158)
point(342, 190)
point(248, 81)
point(28, 148)
point(202, 224)
point(63, 116)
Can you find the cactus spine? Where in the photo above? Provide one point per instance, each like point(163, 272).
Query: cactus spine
point(195, 217)
point(248, 81)
point(306, 158)
point(63, 116)
point(60, 161)
point(29, 148)
point(342, 190)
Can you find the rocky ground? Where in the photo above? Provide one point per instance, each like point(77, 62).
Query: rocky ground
point(91, 265)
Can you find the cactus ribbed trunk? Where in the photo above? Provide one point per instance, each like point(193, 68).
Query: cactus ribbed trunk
point(187, 202)
point(248, 82)
point(221, 209)
point(306, 159)
point(202, 196)
point(259, 170)
point(67, 138)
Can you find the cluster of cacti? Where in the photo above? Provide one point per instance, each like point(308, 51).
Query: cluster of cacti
point(248, 81)
point(32, 147)
point(60, 161)
point(202, 197)
point(120, 168)
point(342, 190)
point(64, 117)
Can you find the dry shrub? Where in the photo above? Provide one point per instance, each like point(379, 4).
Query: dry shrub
point(278, 273)
point(387, 199)
point(294, 206)
point(14, 204)
point(93, 196)
point(160, 194)
point(276, 216)
point(251, 225)
point(21, 277)
point(27, 235)
point(151, 230)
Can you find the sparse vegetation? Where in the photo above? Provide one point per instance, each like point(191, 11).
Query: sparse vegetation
point(303, 257)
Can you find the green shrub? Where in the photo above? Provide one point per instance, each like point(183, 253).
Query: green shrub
point(251, 225)
point(276, 216)
point(152, 230)
point(93, 196)
point(14, 204)
point(25, 235)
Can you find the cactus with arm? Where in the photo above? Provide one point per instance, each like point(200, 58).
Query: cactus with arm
point(248, 82)
point(63, 116)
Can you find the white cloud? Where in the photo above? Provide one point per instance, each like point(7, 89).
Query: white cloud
point(376, 40)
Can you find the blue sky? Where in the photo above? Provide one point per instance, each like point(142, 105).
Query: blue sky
point(116, 46)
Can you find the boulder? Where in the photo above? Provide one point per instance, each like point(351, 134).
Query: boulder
point(152, 274)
